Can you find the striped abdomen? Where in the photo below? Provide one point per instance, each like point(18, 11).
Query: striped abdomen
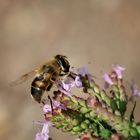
point(39, 86)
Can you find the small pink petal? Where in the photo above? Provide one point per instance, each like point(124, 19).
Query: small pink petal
point(65, 92)
point(119, 70)
point(69, 80)
point(39, 136)
point(67, 87)
point(45, 128)
point(47, 108)
point(56, 103)
point(82, 71)
point(43, 135)
point(59, 105)
point(107, 79)
point(62, 87)
point(78, 82)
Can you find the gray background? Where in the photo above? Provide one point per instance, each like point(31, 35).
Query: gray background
point(93, 33)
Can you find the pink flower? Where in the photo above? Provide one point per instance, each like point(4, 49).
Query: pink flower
point(119, 70)
point(43, 135)
point(65, 90)
point(107, 80)
point(67, 84)
point(56, 104)
point(64, 87)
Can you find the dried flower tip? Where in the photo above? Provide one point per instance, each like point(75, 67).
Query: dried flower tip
point(115, 137)
point(92, 102)
point(86, 136)
point(113, 75)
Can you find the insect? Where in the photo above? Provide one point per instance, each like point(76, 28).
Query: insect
point(45, 76)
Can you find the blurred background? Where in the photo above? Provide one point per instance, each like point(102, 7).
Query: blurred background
point(92, 33)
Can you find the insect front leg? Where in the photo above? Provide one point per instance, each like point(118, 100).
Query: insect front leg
point(51, 103)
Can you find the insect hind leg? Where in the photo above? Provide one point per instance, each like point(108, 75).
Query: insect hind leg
point(48, 88)
point(51, 103)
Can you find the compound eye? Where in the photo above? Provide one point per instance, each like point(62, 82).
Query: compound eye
point(67, 68)
point(64, 65)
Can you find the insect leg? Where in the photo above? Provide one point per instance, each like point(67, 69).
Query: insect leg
point(51, 103)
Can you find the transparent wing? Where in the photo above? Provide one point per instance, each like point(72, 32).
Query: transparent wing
point(28, 75)
point(24, 77)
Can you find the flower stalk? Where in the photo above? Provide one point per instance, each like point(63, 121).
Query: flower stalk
point(95, 112)
point(99, 116)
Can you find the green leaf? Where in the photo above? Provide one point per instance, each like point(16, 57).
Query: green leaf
point(94, 126)
point(84, 125)
point(119, 127)
point(105, 97)
point(138, 128)
point(58, 125)
point(82, 103)
point(114, 105)
point(123, 105)
point(92, 114)
point(87, 121)
point(75, 122)
point(125, 133)
point(67, 128)
point(84, 110)
point(76, 129)
point(96, 89)
point(74, 100)
point(133, 132)
point(115, 88)
point(105, 133)
point(87, 115)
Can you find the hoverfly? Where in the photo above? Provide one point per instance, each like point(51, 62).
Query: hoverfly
point(45, 76)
